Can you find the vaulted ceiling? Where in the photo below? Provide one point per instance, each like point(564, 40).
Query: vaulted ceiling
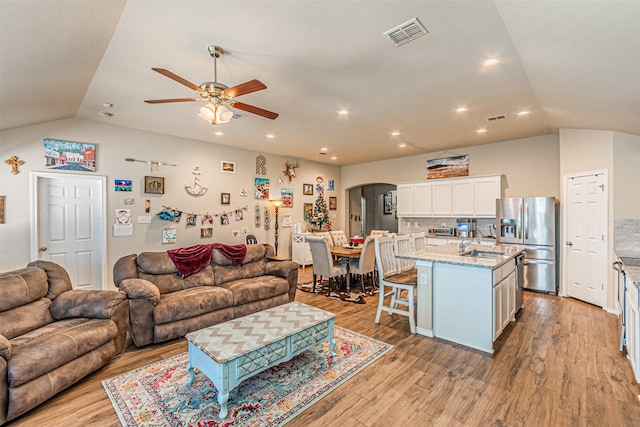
point(570, 64)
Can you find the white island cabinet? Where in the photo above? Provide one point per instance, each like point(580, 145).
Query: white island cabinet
point(464, 299)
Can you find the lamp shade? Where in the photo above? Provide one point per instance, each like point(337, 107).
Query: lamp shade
point(215, 113)
point(276, 202)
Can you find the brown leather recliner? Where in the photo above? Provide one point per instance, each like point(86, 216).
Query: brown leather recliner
point(51, 336)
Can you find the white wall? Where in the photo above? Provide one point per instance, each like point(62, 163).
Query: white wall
point(114, 144)
point(530, 165)
point(626, 176)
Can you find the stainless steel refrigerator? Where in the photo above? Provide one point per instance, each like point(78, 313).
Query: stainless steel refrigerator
point(533, 223)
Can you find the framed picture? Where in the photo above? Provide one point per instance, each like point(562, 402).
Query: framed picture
point(123, 185)
point(287, 221)
point(331, 185)
point(261, 186)
point(2, 209)
point(333, 203)
point(448, 167)
point(154, 184)
point(225, 198)
point(286, 194)
point(67, 155)
point(227, 167)
point(387, 201)
point(308, 211)
point(307, 189)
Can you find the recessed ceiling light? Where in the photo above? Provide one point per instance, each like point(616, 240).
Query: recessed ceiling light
point(324, 149)
point(218, 133)
point(481, 131)
point(396, 133)
point(403, 145)
point(334, 158)
point(343, 112)
point(105, 114)
point(523, 113)
point(107, 104)
point(270, 136)
point(461, 109)
point(491, 61)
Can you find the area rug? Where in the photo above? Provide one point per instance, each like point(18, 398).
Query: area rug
point(157, 395)
point(355, 295)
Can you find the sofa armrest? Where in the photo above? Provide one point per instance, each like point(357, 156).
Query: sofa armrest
point(87, 303)
point(287, 270)
point(140, 289)
point(5, 347)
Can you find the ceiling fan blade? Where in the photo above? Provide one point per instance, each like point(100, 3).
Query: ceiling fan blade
point(164, 101)
point(180, 80)
point(255, 110)
point(245, 88)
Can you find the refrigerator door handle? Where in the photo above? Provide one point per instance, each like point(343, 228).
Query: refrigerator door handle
point(525, 221)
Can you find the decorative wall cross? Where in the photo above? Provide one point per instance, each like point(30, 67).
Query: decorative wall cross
point(14, 162)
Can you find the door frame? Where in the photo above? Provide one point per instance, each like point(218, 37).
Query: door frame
point(605, 228)
point(35, 178)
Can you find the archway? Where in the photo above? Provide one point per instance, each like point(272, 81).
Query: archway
point(368, 210)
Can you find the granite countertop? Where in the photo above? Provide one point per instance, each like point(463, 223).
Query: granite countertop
point(483, 238)
point(633, 272)
point(448, 254)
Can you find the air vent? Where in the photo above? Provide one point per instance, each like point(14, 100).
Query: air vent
point(498, 117)
point(406, 32)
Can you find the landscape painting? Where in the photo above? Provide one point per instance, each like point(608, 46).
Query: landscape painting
point(67, 155)
point(448, 167)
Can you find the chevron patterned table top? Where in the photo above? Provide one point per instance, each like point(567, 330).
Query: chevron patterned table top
point(228, 340)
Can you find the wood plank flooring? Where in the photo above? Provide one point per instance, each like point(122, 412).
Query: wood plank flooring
point(559, 365)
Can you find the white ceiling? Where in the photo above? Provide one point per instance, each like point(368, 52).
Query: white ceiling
point(572, 64)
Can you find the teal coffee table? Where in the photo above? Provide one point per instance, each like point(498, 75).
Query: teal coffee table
point(231, 352)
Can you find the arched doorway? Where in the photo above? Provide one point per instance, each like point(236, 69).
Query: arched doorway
point(367, 209)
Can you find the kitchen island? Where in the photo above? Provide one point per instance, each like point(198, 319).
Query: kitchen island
point(469, 297)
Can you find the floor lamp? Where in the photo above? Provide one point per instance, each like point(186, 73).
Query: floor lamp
point(276, 204)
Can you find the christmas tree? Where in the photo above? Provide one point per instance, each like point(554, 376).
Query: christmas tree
point(320, 220)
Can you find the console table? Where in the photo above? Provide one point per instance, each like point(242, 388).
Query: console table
point(231, 352)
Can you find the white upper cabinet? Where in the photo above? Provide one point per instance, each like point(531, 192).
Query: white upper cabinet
point(441, 196)
point(469, 196)
point(463, 194)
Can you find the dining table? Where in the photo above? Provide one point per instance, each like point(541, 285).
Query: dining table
point(348, 253)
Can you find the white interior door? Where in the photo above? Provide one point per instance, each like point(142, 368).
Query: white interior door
point(586, 237)
point(70, 226)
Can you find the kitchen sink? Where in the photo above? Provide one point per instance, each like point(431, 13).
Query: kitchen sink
point(630, 261)
point(482, 254)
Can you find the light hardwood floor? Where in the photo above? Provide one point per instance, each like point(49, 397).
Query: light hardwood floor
point(559, 365)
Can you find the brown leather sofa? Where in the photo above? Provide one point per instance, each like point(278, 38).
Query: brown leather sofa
point(52, 336)
point(163, 305)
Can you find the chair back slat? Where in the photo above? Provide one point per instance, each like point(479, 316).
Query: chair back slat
point(385, 257)
point(404, 246)
point(419, 241)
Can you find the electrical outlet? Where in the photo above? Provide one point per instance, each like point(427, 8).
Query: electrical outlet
point(423, 279)
point(408, 224)
point(415, 224)
point(444, 224)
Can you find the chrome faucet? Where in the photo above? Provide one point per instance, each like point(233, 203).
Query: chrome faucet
point(463, 246)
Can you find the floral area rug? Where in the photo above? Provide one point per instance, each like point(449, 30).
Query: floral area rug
point(355, 295)
point(157, 395)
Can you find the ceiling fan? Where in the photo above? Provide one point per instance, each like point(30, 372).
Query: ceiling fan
point(216, 94)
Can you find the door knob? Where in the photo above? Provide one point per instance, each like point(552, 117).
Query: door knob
point(43, 248)
point(569, 243)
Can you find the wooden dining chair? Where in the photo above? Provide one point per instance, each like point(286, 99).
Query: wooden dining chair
point(396, 286)
point(367, 263)
point(419, 241)
point(404, 245)
point(323, 264)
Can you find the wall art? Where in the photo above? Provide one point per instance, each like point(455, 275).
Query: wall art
point(387, 201)
point(67, 155)
point(2, 198)
point(154, 185)
point(331, 185)
point(307, 189)
point(123, 185)
point(206, 232)
point(287, 221)
point(286, 194)
point(448, 167)
point(225, 198)
point(308, 211)
point(261, 188)
point(333, 203)
point(227, 167)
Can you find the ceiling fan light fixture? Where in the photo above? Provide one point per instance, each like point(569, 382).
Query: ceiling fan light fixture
point(215, 114)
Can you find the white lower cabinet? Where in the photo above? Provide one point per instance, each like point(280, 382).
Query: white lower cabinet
point(632, 332)
point(504, 297)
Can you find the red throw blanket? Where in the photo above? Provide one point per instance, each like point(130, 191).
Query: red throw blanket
point(190, 260)
point(235, 253)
